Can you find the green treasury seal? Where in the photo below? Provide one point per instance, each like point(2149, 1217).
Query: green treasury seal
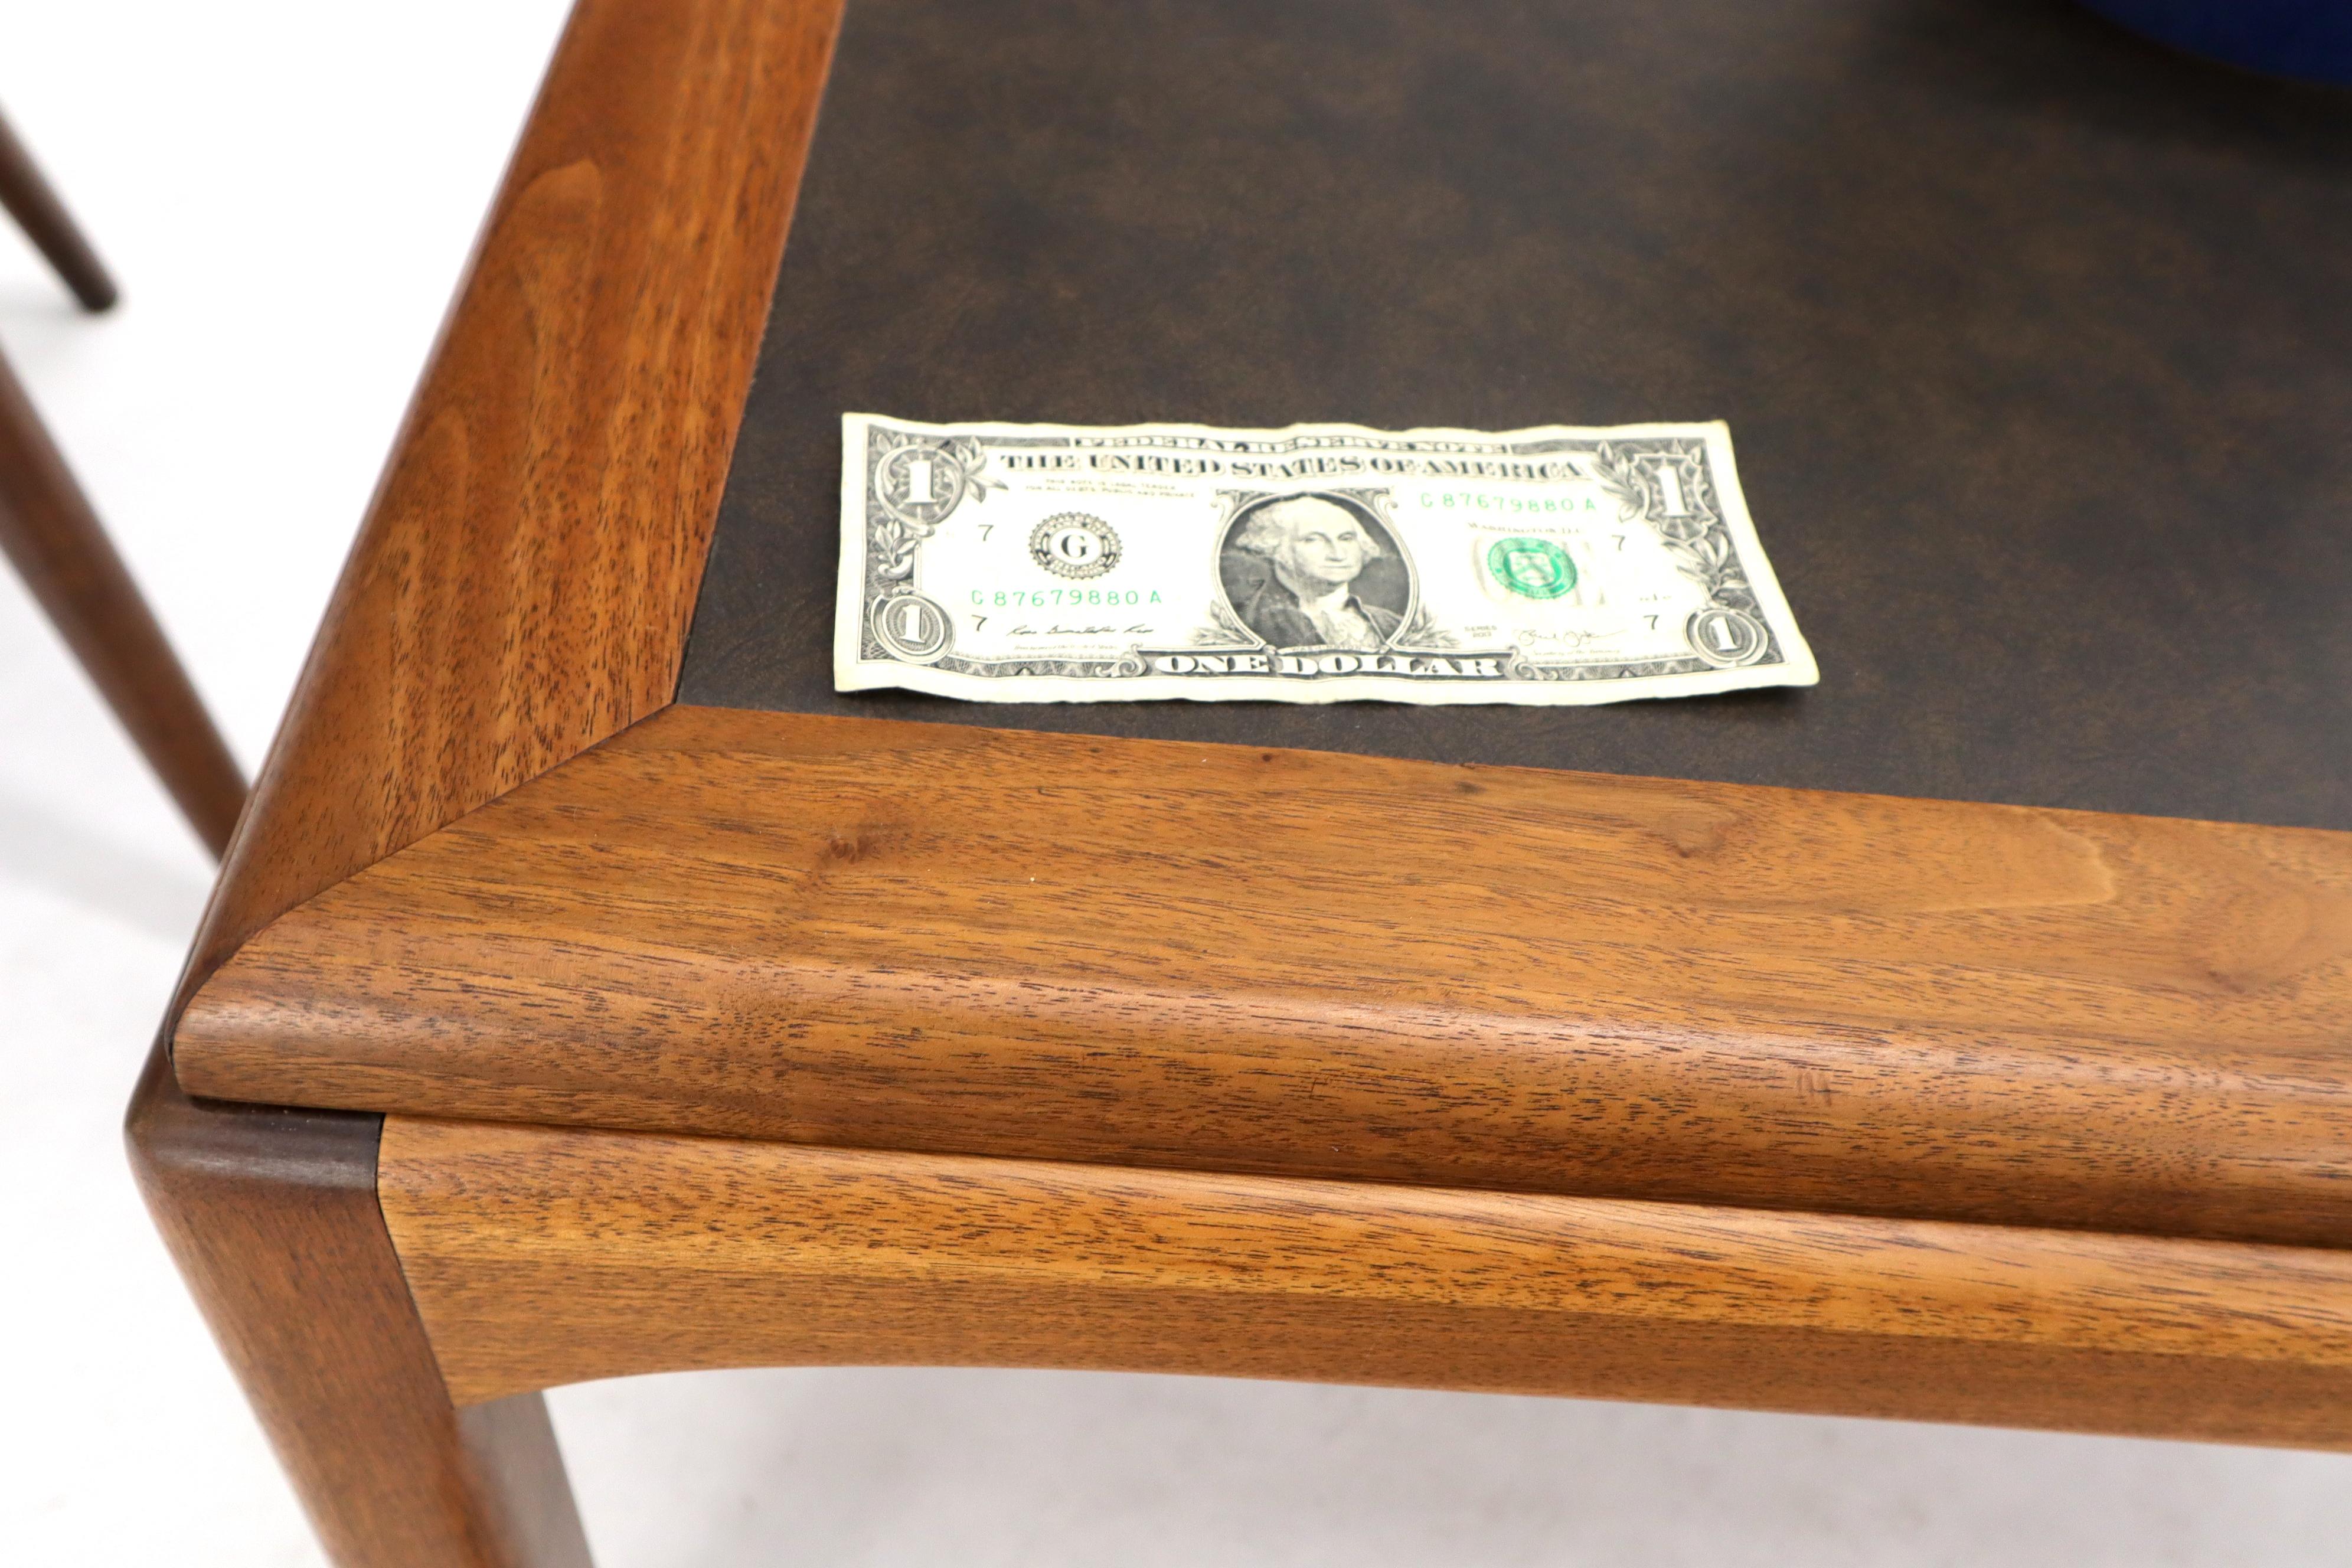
point(1531, 568)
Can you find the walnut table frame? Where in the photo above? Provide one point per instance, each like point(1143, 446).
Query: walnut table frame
point(631, 1033)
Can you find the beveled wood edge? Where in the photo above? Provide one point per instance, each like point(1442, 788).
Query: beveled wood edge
point(521, 584)
point(443, 676)
point(540, 1257)
point(827, 931)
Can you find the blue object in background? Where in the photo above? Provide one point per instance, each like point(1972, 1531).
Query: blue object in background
point(2308, 38)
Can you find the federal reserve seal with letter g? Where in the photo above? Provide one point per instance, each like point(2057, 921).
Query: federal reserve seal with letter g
point(1074, 544)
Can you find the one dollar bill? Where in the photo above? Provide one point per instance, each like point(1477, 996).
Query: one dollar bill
point(1317, 564)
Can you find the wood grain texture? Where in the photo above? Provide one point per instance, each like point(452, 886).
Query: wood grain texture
point(541, 1256)
point(962, 940)
point(272, 1217)
point(55, 542)
point(520, 586)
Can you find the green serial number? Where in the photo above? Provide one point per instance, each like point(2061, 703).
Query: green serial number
point(1062, 598)
point(1470, 500)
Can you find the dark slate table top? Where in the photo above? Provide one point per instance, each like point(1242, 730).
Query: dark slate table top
point(2035, 343)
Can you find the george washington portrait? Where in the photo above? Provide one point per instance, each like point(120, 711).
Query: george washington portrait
point(1314, 571)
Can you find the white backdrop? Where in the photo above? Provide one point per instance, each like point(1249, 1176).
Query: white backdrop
point(287, 192)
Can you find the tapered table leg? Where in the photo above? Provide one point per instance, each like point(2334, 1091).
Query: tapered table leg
point(35, 207)
point(49, 530)
point(272, 1217)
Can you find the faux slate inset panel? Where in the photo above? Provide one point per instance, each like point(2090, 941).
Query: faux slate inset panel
point(2035, 341)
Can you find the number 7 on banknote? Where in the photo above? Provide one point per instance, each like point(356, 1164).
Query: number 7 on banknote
point(1317, 564)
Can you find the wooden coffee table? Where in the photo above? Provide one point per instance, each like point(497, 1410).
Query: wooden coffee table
point(1965, 1039)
